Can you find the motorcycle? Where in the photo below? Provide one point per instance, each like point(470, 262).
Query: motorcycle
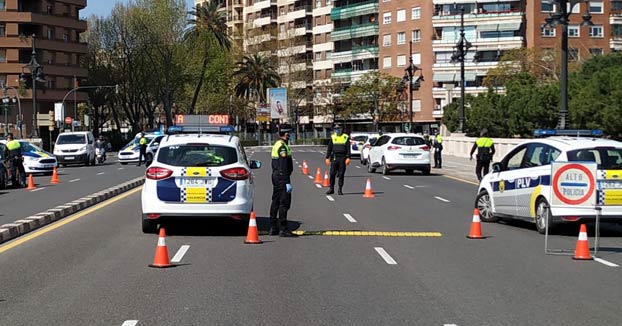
point(100, 155)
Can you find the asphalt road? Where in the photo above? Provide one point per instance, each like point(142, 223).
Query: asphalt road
point(76, 182)
point(92, 270)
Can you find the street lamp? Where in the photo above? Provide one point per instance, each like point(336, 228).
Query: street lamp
point(36, 74)
point(19, 119)
point(116, 87)
point(561, 17)
point(6, 101)
point(409, 74)
point(462, 48)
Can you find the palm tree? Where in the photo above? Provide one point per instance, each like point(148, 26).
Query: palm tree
point(208, 26)
point(255, 74)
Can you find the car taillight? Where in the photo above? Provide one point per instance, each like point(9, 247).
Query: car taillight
point(425, 148)
point(235, 174)
point(158, 173)
point(393, 148)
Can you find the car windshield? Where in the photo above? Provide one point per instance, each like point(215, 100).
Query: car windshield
point(197, 155)
point(136, 141)
point(408, 141)
point(28, 147)
point(607, 158)
point(71, 139)
point(361, 138)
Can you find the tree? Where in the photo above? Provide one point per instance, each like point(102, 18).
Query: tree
point(541, 63)
point(254, 75)
point(376, 93)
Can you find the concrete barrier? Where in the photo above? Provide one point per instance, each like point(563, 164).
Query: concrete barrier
point(460, 146)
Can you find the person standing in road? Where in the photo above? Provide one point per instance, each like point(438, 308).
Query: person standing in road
point(338, 156)
point(485, 151)
point(282, 168)
point(438, 148)
point(143, 149)
point(16, 161)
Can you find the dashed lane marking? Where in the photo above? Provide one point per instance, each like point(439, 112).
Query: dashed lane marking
point(180, 254)
point(461, 180)
point(359, 233)
point(387, 258)
point(442, 199)
point(120, 169)
point(386, 178)
point(330, 198)
point(409, 187)
point(318, 186)
point(100, 173)
point(41, 188)
point(130, 323)
point(358, 167)
point(311, 177)
point(74, 180)
point(349, 218)
point(604, 262)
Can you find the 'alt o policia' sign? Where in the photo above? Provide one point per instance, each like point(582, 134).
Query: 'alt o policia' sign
point(573, 184)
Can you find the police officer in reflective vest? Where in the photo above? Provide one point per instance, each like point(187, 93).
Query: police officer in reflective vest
point(438, 149)
point(143, 149)
point(485, 150)
point(14, 149)
point(282, 168)
point(338, 156)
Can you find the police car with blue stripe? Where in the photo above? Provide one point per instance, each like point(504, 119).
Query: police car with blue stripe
point(36, 160)
point(519, 186)
point(199, 175)
point(130, 152)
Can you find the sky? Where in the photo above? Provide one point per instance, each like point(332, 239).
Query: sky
point(103, 7)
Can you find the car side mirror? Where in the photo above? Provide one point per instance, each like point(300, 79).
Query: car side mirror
point(254, 164)
point(496, 167)
point(155, 144)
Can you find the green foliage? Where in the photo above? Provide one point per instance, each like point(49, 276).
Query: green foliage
point(254, 75)
point(375, 92)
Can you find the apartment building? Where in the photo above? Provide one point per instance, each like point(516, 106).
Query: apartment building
point(235, 18)
point(323, 48)
point(56, 27)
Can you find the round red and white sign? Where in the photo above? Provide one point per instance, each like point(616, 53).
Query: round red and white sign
point(574, 184)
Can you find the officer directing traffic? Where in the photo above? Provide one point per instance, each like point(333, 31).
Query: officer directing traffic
point(438, 149)
point(16, 161)
point(142, 156)
point(338, 156)
point(282, 168)
point(485, 151)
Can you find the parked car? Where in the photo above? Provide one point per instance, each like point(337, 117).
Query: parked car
point(130, 152)
point(75, 148)
point(357, 140)
point(399, 151)
point(36, 160)
point(366, 147)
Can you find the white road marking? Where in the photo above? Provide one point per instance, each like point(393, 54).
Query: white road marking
point(386, 178)
point(311, 177)
point(441, 199)
point(318, 185)
point(120, 169)
point(74, 180)
point(358, 167)
point(387, 258)
point(330, 198)
point(349, 218)
point(180, 254)
point(100, 173)
point(604, 262)
point(450, 325)
point(420, 186)
point(37, 189)
point(409, 187)
point(130, 323)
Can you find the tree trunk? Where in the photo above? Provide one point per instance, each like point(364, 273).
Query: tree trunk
point(197, 90)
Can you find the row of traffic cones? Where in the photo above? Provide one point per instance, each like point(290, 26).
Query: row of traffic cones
point(582, 249)
point(31, 181)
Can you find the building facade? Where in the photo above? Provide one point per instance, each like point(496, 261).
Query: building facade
point(235, 18)
point(55, 28)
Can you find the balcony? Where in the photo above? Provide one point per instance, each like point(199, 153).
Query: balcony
point(263, 4)
point(615, 43)
point(354, 10)
point(43, 19)
point(298, 13)
point(341, 56)
point(265, 19)
point(342, 76)
point(354, 31)
point(451, 19)
point(504, 42)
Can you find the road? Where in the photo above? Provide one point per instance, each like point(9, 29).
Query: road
point(92, 269)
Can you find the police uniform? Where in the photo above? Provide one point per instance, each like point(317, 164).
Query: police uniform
point(143, 150)
point(338, 151)
point(14, 149)
point(282, 168)
point(438, 148)
point(485, 150)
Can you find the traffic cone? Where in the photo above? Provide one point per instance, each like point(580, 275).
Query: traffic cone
point(161, 255)
point(368, 192)
point(55, 179)
point(318, 177)
point(582, 250)
point(252, 237)
point(476, 226)
point(326, 182)
point(305, 167)
point(31, 183)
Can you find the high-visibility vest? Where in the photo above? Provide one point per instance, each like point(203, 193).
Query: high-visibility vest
point(484, 142)
point(143, 141)
point(339, 143)
point(277, 146)
point(483, 148)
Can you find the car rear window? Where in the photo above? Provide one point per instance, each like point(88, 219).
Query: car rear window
point(607, 158)
point(360, 138)
point(197, 155)
point(408, 141)
point(71, 139)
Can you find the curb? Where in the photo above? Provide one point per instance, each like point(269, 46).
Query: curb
point(22, 226)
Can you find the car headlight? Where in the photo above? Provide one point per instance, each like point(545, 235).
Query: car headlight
point(30, 158)
point(57, 151)
point(82, 149)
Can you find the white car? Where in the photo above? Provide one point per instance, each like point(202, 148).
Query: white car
point(36, 160)
point(399, 151)
point(130, 152)
point(75, 148)
point(356, 143)
point(366, 147)
point(196, 175)
point(520, 185)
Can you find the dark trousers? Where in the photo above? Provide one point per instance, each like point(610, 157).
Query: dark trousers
point(481, 168)
point(438, 160)
point(142, 157)
point(337, 169)
point(281, 202)
point(17, 166)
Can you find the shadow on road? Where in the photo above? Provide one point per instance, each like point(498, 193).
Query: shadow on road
point(571, 229)
point(218, 227)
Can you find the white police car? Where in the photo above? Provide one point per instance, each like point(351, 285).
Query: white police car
point(520, 185)
point(36, 160)
point(197, 175)
point(130, 152)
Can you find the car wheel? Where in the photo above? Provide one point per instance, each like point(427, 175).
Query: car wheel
point(123, 163)
point(370, 167)
point(385, 170)
point(542, 209)
point(149, 226)
point(363, 161)
point(426, 171)
point(484, 205)
point(148, 159)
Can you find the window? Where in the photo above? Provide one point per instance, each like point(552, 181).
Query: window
point(616, 31)
point(416, 58)
point(386, 62)
point(539, 155)
point(197, 155)
point(573, 31)
point(547, 32)
point(66, 37)
point(282, 28)
point(386, 18)
point(328, 2)
point(616, 6)
point(401, 38)
point(50, 33)
point(318, 4)
point(401, 60)
point(416, 36)
point(401, 15)
point(2, 5)
point(2, 55)
point(318, 56)
point(596, 7)
point(575, 9)
point(607, 158)
point(547, 7)
point(408, 141)
point(516, 159)
point(596, 51)
point(2, 30)
point(596, 31)
point(415, 13)
point(2, 82)
point(386, 40)
point(573, 54)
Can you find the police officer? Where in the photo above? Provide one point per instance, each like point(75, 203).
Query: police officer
point(282, 168)
point(143, 149)
point(14, 149)
point(438, 148)
point(485, 150)
point(338, 156)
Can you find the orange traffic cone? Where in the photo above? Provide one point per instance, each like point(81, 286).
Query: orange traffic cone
point(161, 255)
point(326, 182)
point(252, 237)
point(368, 192)
point(31, 182)
point(476, 226)
point(582, 251)
point(318, 177)
point(305, 167)
point(55, 179)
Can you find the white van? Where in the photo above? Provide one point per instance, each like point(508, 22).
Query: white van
point(75, 148)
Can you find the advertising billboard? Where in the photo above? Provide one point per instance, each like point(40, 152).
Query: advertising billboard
point(277, 98)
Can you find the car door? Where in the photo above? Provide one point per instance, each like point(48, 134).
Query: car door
point(375, 154)
point(504, 182)
point(535, 171)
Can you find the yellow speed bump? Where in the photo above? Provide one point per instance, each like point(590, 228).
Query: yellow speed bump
point(358, 233)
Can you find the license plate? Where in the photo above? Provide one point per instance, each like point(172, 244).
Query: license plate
point(197, 182)
point(48, 166)
point(410, 155)
point(70, 157)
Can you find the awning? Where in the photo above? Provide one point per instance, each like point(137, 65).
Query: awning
point(452, 77)
point(514, 26)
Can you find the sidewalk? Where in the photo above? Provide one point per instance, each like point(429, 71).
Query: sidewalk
point(458, 167)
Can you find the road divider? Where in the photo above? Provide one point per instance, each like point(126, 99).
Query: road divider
point(359, 233)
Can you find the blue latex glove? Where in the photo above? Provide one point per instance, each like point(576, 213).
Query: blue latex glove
point(289, 188)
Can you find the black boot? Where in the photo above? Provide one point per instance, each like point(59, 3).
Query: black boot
point(330, 191)
point(274, 227)
point(340, 191)
point(285, 232)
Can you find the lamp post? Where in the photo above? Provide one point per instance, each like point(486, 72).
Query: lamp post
point(409, 74)
point(462, 47)
point(19, 119)
point(36, 73)
point(561, 17)
point(116, 87)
